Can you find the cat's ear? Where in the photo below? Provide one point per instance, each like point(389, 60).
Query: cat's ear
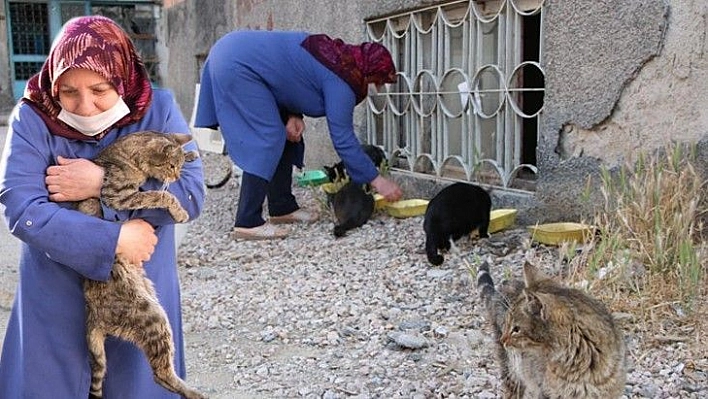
point(182, 138)
point(161, 156)
point(535, 305)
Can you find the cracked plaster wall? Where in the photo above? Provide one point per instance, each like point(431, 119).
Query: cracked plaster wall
point(621, 76)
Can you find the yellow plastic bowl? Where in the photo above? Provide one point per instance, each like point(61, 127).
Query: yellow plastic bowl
point(557, 233)
point(330, 188)
point(407, 208)
point(379, 201)
point(501, 219)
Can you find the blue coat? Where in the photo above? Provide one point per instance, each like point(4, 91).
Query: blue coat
point(250, 75)
point(45, 354)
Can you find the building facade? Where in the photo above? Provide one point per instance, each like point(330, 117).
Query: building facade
point(30, 27)
point(531, 98)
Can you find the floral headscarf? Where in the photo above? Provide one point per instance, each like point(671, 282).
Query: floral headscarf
point(100, 45)
point(358, 65)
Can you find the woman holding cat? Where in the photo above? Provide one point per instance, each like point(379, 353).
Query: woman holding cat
point(250, 77)
point(92, 89)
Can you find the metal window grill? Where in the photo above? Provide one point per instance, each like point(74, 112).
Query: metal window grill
point(469, 93)
point(30, 30)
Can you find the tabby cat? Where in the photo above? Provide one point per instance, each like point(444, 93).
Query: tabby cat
point(126, 305)
point(551, 341)
point(353, 205)
point(457, 210)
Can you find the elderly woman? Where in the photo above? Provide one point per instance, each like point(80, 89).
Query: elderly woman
point(252, 78)
point(92, 89)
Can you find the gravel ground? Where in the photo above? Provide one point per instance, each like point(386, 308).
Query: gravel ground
point(364, 316)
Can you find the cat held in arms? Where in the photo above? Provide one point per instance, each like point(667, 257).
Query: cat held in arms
point(126, 306)
point(552, 342)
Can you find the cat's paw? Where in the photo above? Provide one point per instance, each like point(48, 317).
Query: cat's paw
point(436, 259)
point(180, 216)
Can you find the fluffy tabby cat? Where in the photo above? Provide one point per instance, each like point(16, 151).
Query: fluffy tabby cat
point(126, 306)
point(457, 210)
point(551, 341)
point(353, 205)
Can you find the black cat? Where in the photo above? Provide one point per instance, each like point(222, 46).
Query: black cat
point(377, 155)
point(338, 173)
point(353, 205)
point(455, 211)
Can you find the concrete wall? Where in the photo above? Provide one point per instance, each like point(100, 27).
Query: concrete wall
point(7, 101)
point(621, 77)
point(191, 34)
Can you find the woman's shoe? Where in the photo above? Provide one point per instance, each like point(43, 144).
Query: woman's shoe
point(265, 231)
point(299, 216)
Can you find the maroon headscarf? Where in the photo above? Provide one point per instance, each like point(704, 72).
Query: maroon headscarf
point(358, 65)
point(100, 45)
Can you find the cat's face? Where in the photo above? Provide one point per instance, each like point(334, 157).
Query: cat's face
point(336, 172)
point(167, 168)
point(164, 156)
point(526, 325)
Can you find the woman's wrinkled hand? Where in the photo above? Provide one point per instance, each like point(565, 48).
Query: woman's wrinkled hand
point(388, 188)
point(294, 128)
point(136, 241)
point(73, 179)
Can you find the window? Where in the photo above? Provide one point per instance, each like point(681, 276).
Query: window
point(139, 21)
point(469, 94)
point(33, 24)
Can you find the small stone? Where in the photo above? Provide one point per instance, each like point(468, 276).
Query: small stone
point(408, 340)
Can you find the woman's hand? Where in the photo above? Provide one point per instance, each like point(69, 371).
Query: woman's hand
point(388, 188)
point(294, 128)
point(136, 241)
point(73, 180)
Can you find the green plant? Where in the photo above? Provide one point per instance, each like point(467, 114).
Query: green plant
point(650, 228)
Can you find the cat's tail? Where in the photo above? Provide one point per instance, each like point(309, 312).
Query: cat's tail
point(222, 182)
point(495, 303)
point(484, 281)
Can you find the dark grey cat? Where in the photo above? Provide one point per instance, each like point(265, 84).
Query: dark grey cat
point(353, 205)
point(126, 306)
point(456, 211)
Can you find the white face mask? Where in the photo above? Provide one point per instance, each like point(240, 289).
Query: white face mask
point(93, 125)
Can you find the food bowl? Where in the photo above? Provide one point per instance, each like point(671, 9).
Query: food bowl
point(501, 219)
point(331, 188)
point(312, 178)
point(379, 201)
point(557, 233)
point(407, 208)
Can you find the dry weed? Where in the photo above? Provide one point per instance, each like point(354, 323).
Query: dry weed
point(650, 259)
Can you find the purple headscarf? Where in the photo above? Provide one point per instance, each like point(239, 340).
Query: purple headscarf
point(100, 45)
point(358, 65)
